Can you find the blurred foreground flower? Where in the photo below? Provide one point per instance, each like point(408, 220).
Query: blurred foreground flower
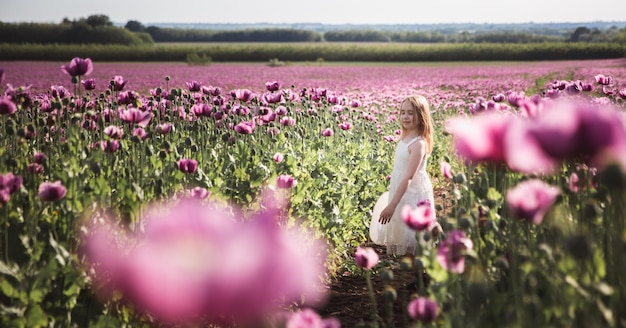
point(366, 257)
point(308, 318)
point(451, 253)
point(423, 309)
point(531, 199)
point(197, 262)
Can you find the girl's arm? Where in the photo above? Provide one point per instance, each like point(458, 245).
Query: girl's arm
point(416, 155)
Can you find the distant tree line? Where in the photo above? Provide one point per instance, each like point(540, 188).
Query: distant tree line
point(98, 29)
point(95, 29)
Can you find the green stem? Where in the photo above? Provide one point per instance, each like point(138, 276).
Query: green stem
point(370, 289)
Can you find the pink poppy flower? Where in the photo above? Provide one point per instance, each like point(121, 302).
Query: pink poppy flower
point(118, 83)
point(603, 79)
point(89, 84)
point(531, 199)
point(136, 116)
point(287, 121)
point(446, 170)
point(52, 191)
point(345, 126)
point(272, 86)
point(244, 95)
point(34, 168)
point(328, 132)
point(574, 182)
point(420, 218)
point(308, 318)
point(187, 165)
point(140, 133)
point(199, 193)
point(196, 263)
point(78, 67)
point(245, 127)
point(194, 86)
point(451, 252)
point(7, 107)
point(113, 131)
point(423, 309)
point(366, 257)
point(9, 184)
point(480, 138)
point(164, 128)
point(285, 181)
point(278, 157)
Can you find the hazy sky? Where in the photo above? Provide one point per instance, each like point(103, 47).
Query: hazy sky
point(317, 11)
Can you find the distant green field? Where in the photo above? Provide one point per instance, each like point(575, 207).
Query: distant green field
point(317, 52)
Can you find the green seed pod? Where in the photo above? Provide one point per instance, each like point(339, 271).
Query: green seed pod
point(387, 276)
point(95, 168)
point(194, 148)
point(162, 154)
point(390, 294)
point(460, 178)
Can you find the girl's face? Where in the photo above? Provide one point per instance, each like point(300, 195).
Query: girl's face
point(408, 116)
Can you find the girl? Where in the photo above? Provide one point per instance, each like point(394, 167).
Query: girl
point(409, 183)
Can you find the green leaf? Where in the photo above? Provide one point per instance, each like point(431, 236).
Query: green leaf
point(35, 317)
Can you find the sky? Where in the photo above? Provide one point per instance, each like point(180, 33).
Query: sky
point(317, 11)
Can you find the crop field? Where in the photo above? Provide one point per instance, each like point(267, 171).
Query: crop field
point(152, 194)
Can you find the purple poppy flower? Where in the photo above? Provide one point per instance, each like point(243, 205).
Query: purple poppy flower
point(211, 90)
point(498, 98)
point(109, 146)
point(78, 67)
point(287, 121)
point(127, 97)
point(345, 126)
point(140, 133)
point(118, 83)
point(39, 157)
point(272, 86)
point(134, 115)
point(285, 181)
point(451, 252)
point(199, 193)
point(194, 86)
point(114, 131)
point(10, 183)
point(245, 127)
point(423, 309)
point(164, 128)
point(574, 182)
point(59, 91)
point(7, 107)
point(201, 109)
point(531, 199)
point(244, 95)
point(52, 191)
point(622, 93)
point(366, 257)
point(89, 84)
point(35, 168)
point(273, 98)
point(187, 165)
point(328, 132)
point(604, 79)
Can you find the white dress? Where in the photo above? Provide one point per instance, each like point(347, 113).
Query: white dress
point(396, 235)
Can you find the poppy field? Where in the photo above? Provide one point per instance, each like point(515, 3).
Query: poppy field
point(234, 195)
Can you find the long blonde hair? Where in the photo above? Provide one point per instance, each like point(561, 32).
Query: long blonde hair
point(424, 120)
